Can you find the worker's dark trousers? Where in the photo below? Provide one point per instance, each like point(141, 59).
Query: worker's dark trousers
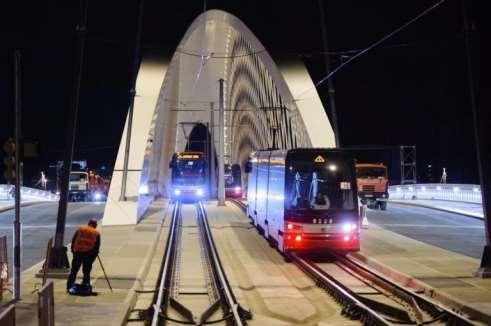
point(84, 259)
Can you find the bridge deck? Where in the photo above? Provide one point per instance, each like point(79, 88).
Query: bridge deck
point(275, 291)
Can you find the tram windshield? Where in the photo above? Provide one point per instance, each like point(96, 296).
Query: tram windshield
point(319, 186)
point(188, 171)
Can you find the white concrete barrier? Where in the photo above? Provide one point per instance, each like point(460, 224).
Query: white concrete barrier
point(27, 193)
point(436, 191)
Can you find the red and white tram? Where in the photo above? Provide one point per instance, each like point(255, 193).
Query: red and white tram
point(304, 199)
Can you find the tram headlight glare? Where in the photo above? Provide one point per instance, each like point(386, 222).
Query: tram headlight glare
point(143, 190)
point(349, 227)
point(199, 192)
point(237, 189)
point(177, 192)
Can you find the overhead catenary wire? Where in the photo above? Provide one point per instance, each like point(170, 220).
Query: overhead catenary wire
point(372, 46)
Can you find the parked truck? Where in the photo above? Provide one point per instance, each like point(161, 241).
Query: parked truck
point(87, 186)
point(373, 184)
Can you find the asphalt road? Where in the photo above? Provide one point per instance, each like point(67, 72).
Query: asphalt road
point(457, 233)
point(39, 224)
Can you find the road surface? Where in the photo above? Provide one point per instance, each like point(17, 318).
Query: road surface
point(39, 224)
point(457, 233)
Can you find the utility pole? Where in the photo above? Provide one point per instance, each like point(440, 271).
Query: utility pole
point(59, 258)
point(484, 270)
point(221, 145)
point(213, 175)
point(18, 176)
point(136, 63)
point(330, 84)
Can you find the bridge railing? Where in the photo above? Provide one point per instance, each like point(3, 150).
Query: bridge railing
point(436, 191)
point(27, 193)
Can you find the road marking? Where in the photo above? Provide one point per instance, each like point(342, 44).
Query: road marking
point(434, 226)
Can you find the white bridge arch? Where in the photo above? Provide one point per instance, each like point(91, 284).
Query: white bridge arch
point(259, 98)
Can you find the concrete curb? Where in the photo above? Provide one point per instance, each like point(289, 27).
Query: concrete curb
point(417, 285)
point(10, 207)
point(436, 208)
point(130, 300)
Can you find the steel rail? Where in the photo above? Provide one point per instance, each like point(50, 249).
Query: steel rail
point(162, 296)
point(435, 309)
point(238, 203)
point(236, 312)
point(352, 306)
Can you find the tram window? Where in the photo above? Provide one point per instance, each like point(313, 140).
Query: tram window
point(314, 186)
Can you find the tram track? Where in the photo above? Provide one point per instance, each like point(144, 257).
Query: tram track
point(194, 298)
point(367, 295)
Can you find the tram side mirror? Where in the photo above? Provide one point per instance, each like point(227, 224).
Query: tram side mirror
point(248, 167)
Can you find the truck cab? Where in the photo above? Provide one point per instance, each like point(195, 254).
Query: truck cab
point(373, 184)
point(78, 187)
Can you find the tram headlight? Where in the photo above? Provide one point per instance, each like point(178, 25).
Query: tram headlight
point(97, 196)
point(177, 192)
point(237, 190)
point(349, 227)
point(199, 192)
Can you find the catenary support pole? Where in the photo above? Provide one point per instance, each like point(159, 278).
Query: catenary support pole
point(213, 174)
point(481, 145)
point(330, 84)
point(136, 64)
point(59, 258)
point(221, 145)
point(18, 176)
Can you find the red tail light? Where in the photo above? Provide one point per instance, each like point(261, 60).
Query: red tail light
point(346, 238)
point(298, 238)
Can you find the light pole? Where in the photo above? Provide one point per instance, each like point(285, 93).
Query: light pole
point(18, 176)
point(59, 258)
point(481, 145)
point(330, 84)
point(136, 61)
point(221, 146)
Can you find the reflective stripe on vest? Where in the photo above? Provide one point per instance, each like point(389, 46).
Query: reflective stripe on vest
point(86, 239)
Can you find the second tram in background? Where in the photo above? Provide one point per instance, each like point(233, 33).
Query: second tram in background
point(188, 176)
point(233, 181)
point(304, 199)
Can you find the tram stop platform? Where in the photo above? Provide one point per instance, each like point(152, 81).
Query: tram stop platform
point(126, 252)
point(441, 274)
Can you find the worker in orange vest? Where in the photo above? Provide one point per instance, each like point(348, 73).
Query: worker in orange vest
point(85, 248)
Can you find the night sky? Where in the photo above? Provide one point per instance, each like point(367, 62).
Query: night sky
point(412, 90)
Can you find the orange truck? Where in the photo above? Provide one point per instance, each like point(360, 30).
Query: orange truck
point(373, 185)
point(87, 186)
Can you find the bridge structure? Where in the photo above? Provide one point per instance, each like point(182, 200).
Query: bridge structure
point(266, 103)
point(174, 93)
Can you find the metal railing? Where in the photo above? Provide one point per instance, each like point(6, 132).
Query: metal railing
point(27, 193)
point(437, 191)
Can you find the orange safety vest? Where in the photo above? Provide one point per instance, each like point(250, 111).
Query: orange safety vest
point(85, 239)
